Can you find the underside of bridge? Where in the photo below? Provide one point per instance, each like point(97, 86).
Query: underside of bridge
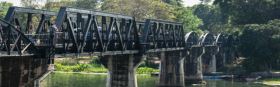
point(121, 42)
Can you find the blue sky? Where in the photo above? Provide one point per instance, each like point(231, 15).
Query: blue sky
point(186, 2)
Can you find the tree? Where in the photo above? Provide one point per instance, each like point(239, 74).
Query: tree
point(31, 3)
point(243, 12)
point(205, 1)
point(210, 16)
point(55, 5)
point(140, 9)
point(259, 43)
point(174, 2)
point(4, 8)
point(86, 4)
point(190, 21)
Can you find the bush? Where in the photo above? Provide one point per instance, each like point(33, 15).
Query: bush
point(81, 67)
point(146, 70)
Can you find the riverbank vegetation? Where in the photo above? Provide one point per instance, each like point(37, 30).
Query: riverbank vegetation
point(92, 65)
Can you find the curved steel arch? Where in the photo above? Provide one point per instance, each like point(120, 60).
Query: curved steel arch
point(207, 39)
point(220, 40)
point(191, 39)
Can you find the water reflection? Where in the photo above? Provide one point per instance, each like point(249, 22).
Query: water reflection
point(99, 80)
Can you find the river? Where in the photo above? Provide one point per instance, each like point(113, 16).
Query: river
point(99, 80)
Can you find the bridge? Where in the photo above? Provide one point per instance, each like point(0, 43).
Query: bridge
point(31, 38)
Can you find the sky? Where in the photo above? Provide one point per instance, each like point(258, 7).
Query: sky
point(186, 2)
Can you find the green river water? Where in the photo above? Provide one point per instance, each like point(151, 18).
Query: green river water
point(99, 80)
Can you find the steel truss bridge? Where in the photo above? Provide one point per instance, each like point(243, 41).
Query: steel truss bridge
point(43, 34)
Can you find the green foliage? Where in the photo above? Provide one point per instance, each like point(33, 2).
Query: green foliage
point(140, 9)
point(190, 21)
point(259, 43)
point(249, 11)
point(4, 8)
point(31, 3)
point(68, 62)
point(146, 70)
point(174, 2)
point(95, 63)
point(86, 4)
point(92, 68)
point(79, 68)
point(211, 18)
point(206, 1)
point(55, 5)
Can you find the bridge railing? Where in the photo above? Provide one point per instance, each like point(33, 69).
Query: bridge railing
point(40, 39)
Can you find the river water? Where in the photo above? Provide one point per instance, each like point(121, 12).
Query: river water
point(99, 80)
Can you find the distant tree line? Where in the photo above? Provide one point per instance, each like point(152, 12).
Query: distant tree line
point(256, 23)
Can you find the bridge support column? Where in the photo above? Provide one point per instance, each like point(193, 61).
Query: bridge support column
point(209, 59)
point(122, 69)
point(193, 66)
point(221, 59)
point(21, 71)
point(171, 70)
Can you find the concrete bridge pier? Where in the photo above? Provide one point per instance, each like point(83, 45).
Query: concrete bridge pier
point(21, 71)
point(221, 59)
point(193, 66)
point(209, 59)
point(121, 69)
point(171, 69)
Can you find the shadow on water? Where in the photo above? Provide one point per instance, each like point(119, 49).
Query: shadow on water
point(99, 80)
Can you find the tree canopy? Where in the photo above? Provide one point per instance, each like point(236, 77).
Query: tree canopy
point(259, 43)
point(140, 9)
point(249, 11)
point(4, 8)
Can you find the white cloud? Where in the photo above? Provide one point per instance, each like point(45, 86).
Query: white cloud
point(189, 3)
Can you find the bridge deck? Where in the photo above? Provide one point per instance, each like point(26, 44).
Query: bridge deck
point(3, 54)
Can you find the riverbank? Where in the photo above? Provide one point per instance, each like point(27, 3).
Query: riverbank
point(271, 82)
point(91, 65)
point(93, 68)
